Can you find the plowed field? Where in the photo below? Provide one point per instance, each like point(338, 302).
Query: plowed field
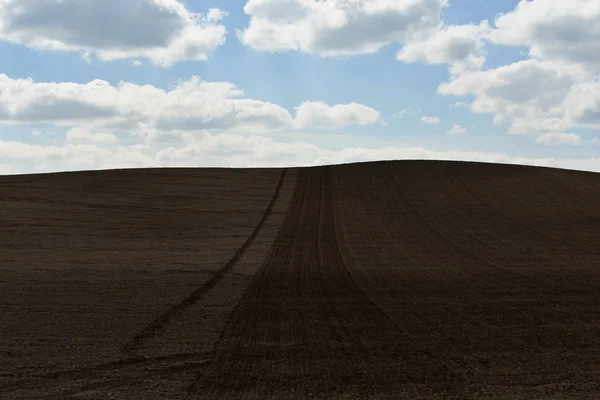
point(410, 279)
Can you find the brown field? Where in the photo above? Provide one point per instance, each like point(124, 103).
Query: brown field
point(387, 280)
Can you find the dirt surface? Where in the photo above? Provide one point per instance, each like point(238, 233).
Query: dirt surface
point(411, 279)
point(98, 270)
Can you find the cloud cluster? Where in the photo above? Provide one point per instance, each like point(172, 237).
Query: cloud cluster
point(317, 114)
point(192, 105)
point(554, 30)
point(82, 135)
point(529, 92)
point(162, 31)
point(338, 27)
point(194, 122)
point(557, 88)
point(556, 138)
point(461, 46)
point(224, 149)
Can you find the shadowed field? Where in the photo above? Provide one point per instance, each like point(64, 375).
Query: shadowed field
point(410, 279)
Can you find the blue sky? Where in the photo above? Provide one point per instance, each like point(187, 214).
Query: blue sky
point(219, 82)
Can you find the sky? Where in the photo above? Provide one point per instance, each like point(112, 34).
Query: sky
point(97, 84)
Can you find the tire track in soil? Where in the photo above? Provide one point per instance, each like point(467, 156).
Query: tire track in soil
point(304, 328)
point(380, 282)
point(416, 346)
point(241, 334)
point(520, 330)
point(154, 327)
point(111, 366)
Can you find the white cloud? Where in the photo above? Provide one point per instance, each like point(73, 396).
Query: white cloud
point(582, 104)
point(338, 27)
point(557, 89)
point(530, 93)
point(82, 135)
point(24, 100)
point(6, 169)
point(137, 63)
point(81, 154)
point(406, 111)
point(39, 158)
point(459, 45)
point(430, 120)
point(240, 150)
point(554, 30)
point(37, 132)
point(456, 130)
point(460, 104)
point(192, 105)
point(317, 114)
point(552, 92)
point(596, 140)
point(557, 138)
point(163, 31)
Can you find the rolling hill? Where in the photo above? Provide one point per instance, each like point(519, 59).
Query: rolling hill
point(380, 280)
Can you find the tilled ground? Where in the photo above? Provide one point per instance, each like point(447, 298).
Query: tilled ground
point(118, 283)
point(412, 279)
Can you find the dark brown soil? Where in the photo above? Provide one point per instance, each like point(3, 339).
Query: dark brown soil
point(411, 279)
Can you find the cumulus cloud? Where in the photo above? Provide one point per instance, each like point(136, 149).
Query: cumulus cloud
point(553, 91)
point(557, 138)
point(530, 93)
point(317, 114)
point(430, 120)
point(223, 149)
point(163, 31)
point(71, 156)
point(6, 169)
point(456, 130)
point(337, 27)
point(536, 97)
point(582, 104)
point(82, 135)
point(192, 105)
point(554, 30)
point(462, 46)
point(556, 89)
point(37, 132)
point(23, 100)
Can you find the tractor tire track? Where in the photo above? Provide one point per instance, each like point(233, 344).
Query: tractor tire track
point(351, 259)
point(288, 236)
point(154, 327)
point(304, 328)
point(160, 364)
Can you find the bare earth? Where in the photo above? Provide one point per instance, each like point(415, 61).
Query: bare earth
point(388, 280)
